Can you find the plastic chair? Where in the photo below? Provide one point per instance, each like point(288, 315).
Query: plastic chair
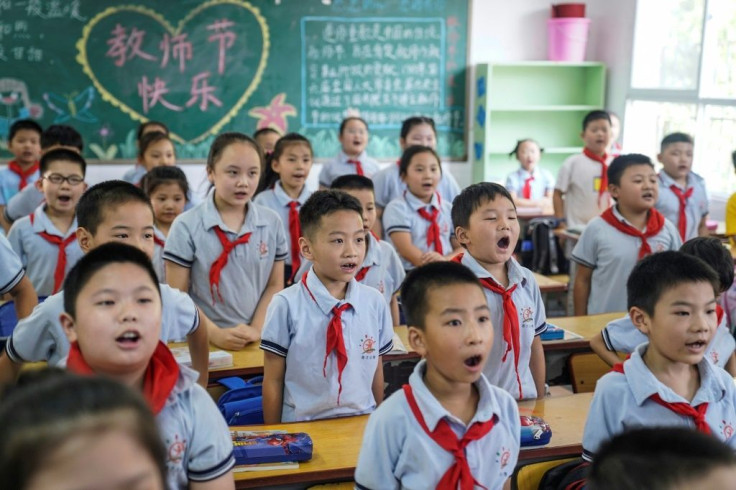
point(585, 370)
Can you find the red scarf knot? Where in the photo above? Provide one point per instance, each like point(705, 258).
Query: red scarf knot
point(221, 261)
point(23, 174)
point(295, 231)
point(361, 273)
point(526, 192)
point(682, 216)
point(459, 473)
point(655, 223)
point(158, 241)
point(358, 166)
point(61, 244)
point(433, 232)
point(602, 159)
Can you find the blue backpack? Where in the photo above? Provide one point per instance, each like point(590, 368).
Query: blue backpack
point(242, 403)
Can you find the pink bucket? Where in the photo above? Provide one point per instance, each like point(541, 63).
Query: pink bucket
point(567, 38)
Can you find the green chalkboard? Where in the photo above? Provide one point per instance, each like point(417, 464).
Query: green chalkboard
point(222, 65)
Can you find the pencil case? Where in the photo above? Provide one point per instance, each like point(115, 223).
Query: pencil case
point(534, 431)
point(552, 333)
point(256, 447)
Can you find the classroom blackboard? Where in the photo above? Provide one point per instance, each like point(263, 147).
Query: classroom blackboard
point(230, 65)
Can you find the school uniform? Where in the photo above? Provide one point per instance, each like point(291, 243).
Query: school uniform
point(135, 174)
point(612, 254)
point(47, 254)
point(622, 336)
point(581, 178)
point(387, 185)
point(198, 444)
point(397, 452)
point(23, 203)
point(345, 165)
point(159, 241)
point(623, 401)
point(693, 207)
point(40, 336)
point(11, 268)
point(502, 369)
point(279, 201)
point(403, 214)
point(539, 183)
point(381, 268)
point(193, 242)
point(13, 179)
point(297, 327)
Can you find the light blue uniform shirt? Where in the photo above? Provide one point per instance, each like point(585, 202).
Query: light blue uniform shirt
point(192, 243)
point(197, 440)
point(296, 328)
point(386, 272)
point(612, 255)
point(402, 214)
point(40, 336)
point(279, 201)
point(39, 256)
point(397, 453)
point(9, 182)
point(11, 268)
point(622, 336)
point(340, 166)
point(669, 204)
point(543, 182)
point(135, 174)
point(621, 402)
point(532, 322)
point(387, 185)
point(158, 254)
point(23, 203)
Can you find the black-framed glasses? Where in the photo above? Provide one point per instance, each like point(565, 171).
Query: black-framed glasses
point(74, 180)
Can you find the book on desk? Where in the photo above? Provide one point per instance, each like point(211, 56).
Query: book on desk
point(218, 358)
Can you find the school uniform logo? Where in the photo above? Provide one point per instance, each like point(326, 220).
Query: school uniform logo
point(714, 357)
point(368, 346)
point(263, 249)
point(176, 449)
point(527, 314)
point(502, 458)
point(726, 429)
point(660, 247)
point(381, 287)
point(445, 229)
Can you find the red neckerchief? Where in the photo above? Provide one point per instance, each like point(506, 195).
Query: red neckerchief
point(23, 174)
point(158, 241)
point(510, 319)
point(295, 231)
point(61, 244)
point(604, 171)
point(221, 261)
point(655, 223)
point(458, 475)
point(358, 166)
point(158, 380)
point(433, 232)
point(364, 270)
point(335, 339)
point(719, 313)
point(680, 408)
point(682, 217)
point(526, 191)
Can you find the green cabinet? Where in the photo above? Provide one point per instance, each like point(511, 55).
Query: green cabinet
point(543, 100)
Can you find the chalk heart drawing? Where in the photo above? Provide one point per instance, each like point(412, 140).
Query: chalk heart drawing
point(119, 85)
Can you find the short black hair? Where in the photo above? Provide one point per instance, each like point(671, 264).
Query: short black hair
point(713, 253)
point(677, 137)
point(164, 175)
point(352, 118)
point(24, 124)
point(142, 128)
point(352, 182)
point(97, 258)
point(659, 272)
point(619, 165)
point(596, 115)
point(61, 134)
point(151, 138)
point(661, 458)
point(61, 154)
point(100, 197)
point(410, 152)
point(265, 131)
point(410, 122)
point(515, 151)
point(51, 405)
point(473, 197)
point(323, 203)
point(419, 282)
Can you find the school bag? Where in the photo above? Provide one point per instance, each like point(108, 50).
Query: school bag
point(572, 475)
point(242, 403)
point(547, 256)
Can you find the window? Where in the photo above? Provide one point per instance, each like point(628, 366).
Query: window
point(683, 78)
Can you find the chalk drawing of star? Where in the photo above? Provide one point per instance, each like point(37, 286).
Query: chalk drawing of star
point(274, 115)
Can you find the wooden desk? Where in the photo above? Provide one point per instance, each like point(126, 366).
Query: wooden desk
point(586, 326)
point(337, 443)
point(549, 285)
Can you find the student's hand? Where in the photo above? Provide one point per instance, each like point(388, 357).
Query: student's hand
point(235, 338)
point(428, 257)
